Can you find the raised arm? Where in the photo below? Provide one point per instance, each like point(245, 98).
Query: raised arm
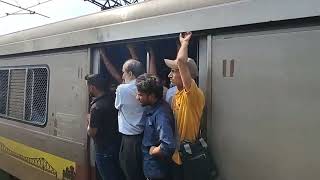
point(152, 69)
point(132, 52)
point(110, 68)
point(182, 58)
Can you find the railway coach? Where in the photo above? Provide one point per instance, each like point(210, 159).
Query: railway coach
point(258, 66)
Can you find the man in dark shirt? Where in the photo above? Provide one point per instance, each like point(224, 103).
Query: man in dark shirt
point(158, 144)
point(103, 127)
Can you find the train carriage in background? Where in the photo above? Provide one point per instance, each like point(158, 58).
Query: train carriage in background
point(258, 63)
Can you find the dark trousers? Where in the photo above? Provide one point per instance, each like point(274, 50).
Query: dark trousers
point(177, 171)
point(107, 164)
point(130, 157)
point(189, 171)
point(159, 178)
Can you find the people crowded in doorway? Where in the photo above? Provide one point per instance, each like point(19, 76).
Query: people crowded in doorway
point(152, 124)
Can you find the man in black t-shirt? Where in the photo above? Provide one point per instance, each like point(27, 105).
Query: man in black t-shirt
point(103, 127)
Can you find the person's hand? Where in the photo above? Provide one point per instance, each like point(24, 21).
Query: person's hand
point(88, 119)
point(151, 150)
point(185, 37)
point(130, 46)
point(155, 151)
point(101, 51)
point(132, 51)
point(149, 48)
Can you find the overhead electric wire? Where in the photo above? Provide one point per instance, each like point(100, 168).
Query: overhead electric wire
point(24, 9)
point(39, 3)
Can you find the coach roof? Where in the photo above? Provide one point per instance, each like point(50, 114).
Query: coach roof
point(153, 18)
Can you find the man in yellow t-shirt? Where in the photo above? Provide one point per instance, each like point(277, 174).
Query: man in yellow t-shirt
point(188, 102)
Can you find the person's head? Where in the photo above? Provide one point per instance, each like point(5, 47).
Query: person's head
point(131, 69)
point(174, 75)
point(97, 84)
point(150, 89)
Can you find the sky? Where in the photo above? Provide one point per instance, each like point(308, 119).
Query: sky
point(57, 10)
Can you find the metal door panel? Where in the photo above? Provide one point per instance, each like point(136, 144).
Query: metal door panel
point(266, 117)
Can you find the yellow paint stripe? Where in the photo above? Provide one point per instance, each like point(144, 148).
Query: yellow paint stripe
point(57, 163)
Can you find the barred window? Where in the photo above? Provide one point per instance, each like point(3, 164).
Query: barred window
point(24, 94)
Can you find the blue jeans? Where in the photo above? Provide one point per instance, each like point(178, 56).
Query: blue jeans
point(108, 165)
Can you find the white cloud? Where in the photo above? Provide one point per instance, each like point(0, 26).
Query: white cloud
point(57, 10)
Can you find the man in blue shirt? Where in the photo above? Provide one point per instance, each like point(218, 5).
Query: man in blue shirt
point(158, 144)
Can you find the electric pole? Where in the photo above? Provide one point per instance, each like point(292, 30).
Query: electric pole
point(109, 4)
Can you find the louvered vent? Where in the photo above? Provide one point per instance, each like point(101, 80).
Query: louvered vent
point(17, 93)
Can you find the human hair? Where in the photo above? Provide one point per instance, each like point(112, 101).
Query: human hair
point(163, 75)
point(150, 84)
point(134, 66)
point(98, 81)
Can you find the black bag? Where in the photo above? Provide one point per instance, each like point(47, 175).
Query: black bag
point(197, 162)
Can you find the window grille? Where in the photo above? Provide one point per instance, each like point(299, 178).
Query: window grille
point(24, 94)
point(3, 91)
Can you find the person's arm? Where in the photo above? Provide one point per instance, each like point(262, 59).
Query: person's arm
point(182, 58)
point(118, 102)
point(167, 146)
point(152, 69)
point(91, 131)
point(132, 52)
point(110, 67)
point(96, 117)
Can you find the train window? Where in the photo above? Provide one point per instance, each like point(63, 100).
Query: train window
point(24, 94)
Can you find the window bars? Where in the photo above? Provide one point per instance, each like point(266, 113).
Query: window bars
point(24, 94)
